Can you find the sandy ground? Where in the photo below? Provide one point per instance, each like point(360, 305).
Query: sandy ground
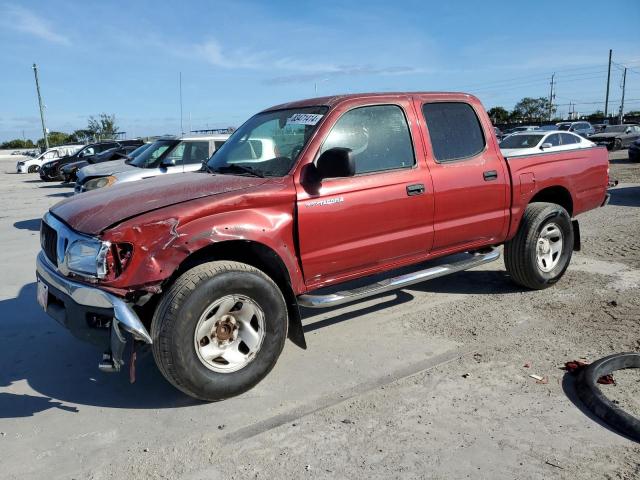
point(429, 382)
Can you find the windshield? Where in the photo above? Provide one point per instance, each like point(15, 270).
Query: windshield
point(615, 128)
point(151, 157)
point(564, 126)
point(139, 150)
point(521, 141)
point(268, 144)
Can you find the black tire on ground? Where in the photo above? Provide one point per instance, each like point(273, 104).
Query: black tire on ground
point(589, 392)
point(32, 169)
point(177, 315)
point(520, 253)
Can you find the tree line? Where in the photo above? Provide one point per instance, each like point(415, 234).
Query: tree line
point(102, 127)
point(536, 110)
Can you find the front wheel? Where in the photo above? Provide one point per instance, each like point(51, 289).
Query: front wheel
point(32, 169)
point(539, 254)
point(617, 144)
point(219, 330)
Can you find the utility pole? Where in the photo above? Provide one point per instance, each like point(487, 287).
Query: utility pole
point(624, 84)
point(44, 129)
point(606, 100)
point(551, 96)
point(181, 128)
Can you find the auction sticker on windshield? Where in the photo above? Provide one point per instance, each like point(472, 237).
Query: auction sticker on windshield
point(304, 119)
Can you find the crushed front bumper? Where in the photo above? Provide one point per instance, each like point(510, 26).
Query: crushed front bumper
point(90, 313)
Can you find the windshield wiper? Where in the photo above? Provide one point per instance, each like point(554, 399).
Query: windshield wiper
point(234, 167)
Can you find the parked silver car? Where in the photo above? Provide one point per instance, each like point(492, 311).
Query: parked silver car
point(163, 157)
point(584, 129)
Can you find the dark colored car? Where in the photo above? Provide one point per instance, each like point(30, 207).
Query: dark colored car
point(634, 151)
point(51, 171)
point(127, 152)
point(616, 137)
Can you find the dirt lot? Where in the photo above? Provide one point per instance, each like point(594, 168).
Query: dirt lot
point(430, 382)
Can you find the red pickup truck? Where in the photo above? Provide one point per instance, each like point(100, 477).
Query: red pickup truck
point(303, 204)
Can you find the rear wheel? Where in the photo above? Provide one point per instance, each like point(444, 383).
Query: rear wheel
point(539, 254)
point(219, 330)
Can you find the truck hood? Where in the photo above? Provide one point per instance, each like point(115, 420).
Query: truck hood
point(104, 169)
point(95, 211)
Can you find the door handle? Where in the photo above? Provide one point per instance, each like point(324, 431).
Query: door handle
point(415, 189)
point(490, 175)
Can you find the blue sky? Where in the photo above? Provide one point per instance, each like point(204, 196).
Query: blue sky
point(239, 57)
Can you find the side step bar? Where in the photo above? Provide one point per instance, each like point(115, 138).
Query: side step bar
point(331, 300)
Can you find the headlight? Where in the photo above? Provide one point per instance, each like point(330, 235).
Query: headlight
point(87, 258)
point(96, 259)
point(99, 183)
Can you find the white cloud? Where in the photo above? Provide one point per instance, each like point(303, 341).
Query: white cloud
point(296, 70)
point(22, 20)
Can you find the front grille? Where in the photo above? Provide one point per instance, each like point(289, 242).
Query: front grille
point(49, 240)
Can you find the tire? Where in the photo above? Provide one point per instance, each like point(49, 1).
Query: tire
point(32, 169)
point(532, 265)
point(591, 395)
point(617, 144)
point(190, 303)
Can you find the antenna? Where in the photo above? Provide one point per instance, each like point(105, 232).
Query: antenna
point(181, 128)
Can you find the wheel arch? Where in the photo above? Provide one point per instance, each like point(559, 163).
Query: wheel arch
point(261, 257)
point(556, 194)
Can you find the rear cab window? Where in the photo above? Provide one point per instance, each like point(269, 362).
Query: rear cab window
point(454, 130)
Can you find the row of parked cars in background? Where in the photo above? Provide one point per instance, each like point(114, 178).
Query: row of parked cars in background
point(614, 137)
point(107, 163)
point(103, 164)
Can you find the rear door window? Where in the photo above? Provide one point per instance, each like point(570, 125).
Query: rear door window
point(554, 140)
point(454, 130)
point(569, 139)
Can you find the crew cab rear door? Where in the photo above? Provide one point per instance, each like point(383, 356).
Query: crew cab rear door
point(380, 216)
point(471, 186)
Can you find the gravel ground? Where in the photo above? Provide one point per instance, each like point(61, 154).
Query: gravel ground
point(458, 402)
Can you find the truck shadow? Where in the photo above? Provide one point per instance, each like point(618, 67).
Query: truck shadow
point(32, 225)
point(472, 282)
point(625, 196)
point(63, 370)
point(36, 351)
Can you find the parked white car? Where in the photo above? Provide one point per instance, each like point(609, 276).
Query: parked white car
point(162, 157)
point(529, 143)
point(254, 150)
point(32, 165)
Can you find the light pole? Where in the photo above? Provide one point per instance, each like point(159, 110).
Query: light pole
point(44, 129)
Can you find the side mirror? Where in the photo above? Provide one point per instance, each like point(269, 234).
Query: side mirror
point(168, 162)
point(545, 145)
point(334, 163)
point(628, 130)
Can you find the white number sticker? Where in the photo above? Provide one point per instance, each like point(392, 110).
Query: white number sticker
point(304, 119)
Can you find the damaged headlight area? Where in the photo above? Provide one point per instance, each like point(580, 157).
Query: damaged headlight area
point(96, 259)
point(99, 183)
